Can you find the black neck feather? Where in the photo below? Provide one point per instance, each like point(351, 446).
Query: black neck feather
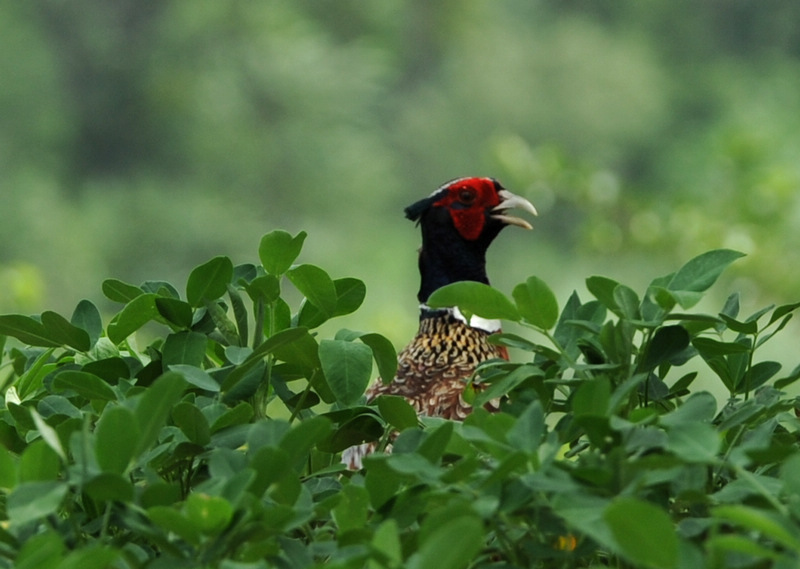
point(446, 257)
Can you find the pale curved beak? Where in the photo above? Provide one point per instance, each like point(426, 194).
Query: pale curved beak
point(510, 201)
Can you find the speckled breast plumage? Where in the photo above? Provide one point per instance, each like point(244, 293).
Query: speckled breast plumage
point(433, 368)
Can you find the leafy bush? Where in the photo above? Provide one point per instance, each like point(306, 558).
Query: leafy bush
point(217, 444)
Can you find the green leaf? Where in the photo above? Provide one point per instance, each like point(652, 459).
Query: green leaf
point(133, 316)
point(35, 500)
point(110, 487)
point(386, 540)
point(536, 303)
point(700, 407)
point(710, 348)
point(39, 462)
point(301, 439)
point(602, 288)
point(278, 250)
point(169, 519)
point(350, 295)
point(239, 415)
point(758, 375)
point(757, 520)
point(239, 315)
point(353, 508)
point(384, 354)
point(266, 288)
point(275, 342)
point(592, 398)
point(790, 475)
point(8, 470)
point(451, 545)
point(209, 281)
point(197, 377)
point(49, 435)
point(84, 384)
point(62, 331)
point(628, 302)
point(211, 514)
point(87, 317)
point(116, 439)
point(42, 551)
point(749, 327)
point(435, 442)
point(347, 367)
point(109, 369)
point(474, 298)
point(667, 342)
point(93, 556)
point(190, 420)
point(782, 311)
point(119, 291)
point(644, 532)
point(26, 330)
point(694, 442)
point(30, 381)
point(154, 407)
point(185, 347)
point(175, 311)
point(700, 273)
point(506, 383)
point(526, 434)
point(315, 284)
point(397, 412)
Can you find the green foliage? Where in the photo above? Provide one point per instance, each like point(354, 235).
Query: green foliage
point(217, 444)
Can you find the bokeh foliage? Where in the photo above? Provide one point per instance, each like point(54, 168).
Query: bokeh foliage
point(644, 132)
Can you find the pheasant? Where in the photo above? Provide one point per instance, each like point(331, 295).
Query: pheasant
point(458, 221)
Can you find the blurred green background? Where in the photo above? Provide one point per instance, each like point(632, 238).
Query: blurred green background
point(139, 138)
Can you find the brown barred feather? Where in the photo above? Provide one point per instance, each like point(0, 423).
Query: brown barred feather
point(433, 369)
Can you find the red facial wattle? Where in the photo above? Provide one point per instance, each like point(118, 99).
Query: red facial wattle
point(468, 201)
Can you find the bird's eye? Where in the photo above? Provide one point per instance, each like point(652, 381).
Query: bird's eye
point(466, 196)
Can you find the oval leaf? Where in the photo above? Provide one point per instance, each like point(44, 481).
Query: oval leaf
point(384, 353)
point(474, 298)
point(184, 348)
point(667, 342)
point(536, 303)
point(397, 412)
point(278, 250)
point(451, 545)
point(26, 330)
point(644, 532)
point(84, 384)
point(694, 442)
point(175, 311)
point(136, 314)
point(209, 281)
point(33, 500)
point(87, 317)
point(347, 367)
point(63, 332)
point(189, 419)
point(154, 407)
point(116, 439)
point(701, 272)
point(196, 377)
point(119, 291)
point(315, 284)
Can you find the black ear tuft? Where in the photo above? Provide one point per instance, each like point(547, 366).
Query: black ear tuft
point(414, 211)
